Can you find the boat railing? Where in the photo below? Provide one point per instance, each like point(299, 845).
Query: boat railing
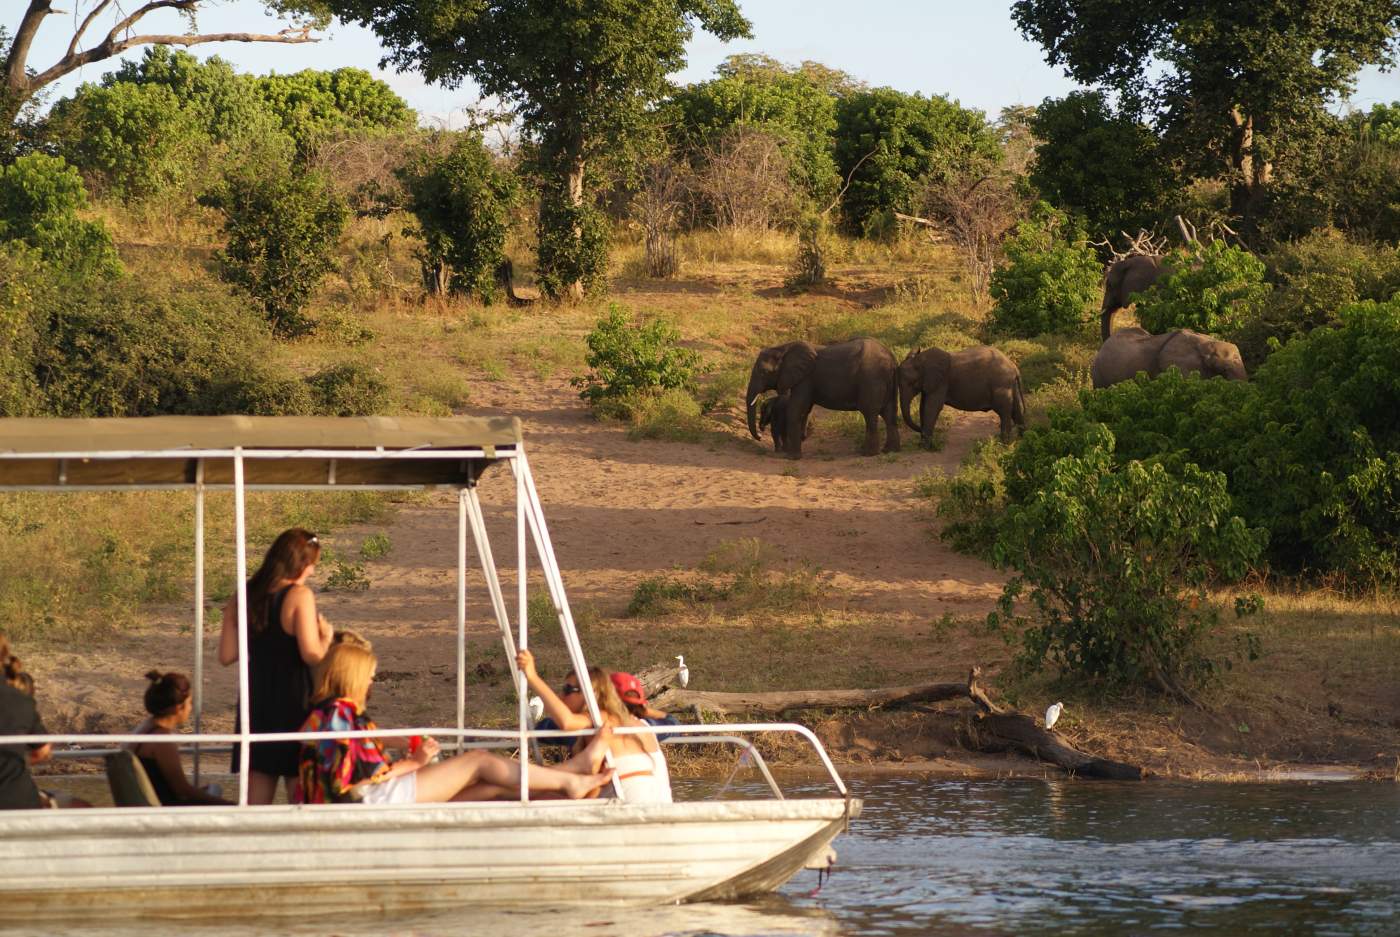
point(731, 733)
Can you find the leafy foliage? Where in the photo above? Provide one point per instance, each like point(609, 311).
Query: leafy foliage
point(1215, 289)
point(40, 197)
point(315, 106)
point(282, 228)
point(891, 145)
point(137, 140)
point(1105, 548)
point(625, 359)
point(1102, 165)
point(573, 245)
point(1049, 279)
point(462, 200)
point(816, 243)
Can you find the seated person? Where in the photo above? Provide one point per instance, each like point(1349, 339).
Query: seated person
point(169, 703)
point(634, 697)
point(641, 767)
point(359, 770)
point(19, 716)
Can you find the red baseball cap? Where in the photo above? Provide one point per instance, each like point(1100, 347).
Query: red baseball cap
point(628, 687)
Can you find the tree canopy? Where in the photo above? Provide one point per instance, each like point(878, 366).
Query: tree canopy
point(1234, 86)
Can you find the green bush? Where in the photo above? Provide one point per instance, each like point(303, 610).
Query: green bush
point(624, 360)
point(315, 106)
point(462, 200)
point(138, 141)
point(351, 389)
point(1214, 289)
point(672, 415)
point(1105, 548)
point(573, 246)
point(40, 197)
point(282, 227)
point(1049, 280)
point(816, 243)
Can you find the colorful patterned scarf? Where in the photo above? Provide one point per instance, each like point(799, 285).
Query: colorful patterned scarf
point(329, 768)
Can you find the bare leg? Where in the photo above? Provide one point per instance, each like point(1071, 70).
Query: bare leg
point(448, 779)
point(262, 788)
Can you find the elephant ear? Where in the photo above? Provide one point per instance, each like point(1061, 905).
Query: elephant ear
point(797, 365)
point(936, 365)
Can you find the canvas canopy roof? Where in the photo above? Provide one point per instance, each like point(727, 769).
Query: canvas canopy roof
point(296, 452)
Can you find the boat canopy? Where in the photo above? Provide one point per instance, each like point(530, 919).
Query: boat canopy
point(279, 452)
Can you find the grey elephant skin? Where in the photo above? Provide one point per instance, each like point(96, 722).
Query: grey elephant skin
point(852, 375)
point(1124, 278)
point(772, 416)
point(1129, 351)
point(980, 378)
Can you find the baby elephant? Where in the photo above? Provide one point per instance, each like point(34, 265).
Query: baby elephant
point(773, 417)
point(977, 378)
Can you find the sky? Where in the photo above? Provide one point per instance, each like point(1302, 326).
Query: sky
point(965, 49)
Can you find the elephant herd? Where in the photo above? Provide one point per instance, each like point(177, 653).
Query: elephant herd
point(861, 374)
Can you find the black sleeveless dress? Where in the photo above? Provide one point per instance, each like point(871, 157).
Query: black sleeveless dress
point(279, 684)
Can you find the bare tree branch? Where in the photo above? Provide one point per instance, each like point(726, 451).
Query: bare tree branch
point(82, 28)
point(849, 176)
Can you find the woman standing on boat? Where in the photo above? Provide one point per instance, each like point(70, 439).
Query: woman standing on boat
point(286, 638)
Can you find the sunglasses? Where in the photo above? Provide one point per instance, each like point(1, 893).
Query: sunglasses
point(570, 688)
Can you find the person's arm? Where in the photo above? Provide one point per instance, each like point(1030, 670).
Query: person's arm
point(167, 756)
point(228, 634)
point(554, 707)
point(38, 753)
point(312, 631)
point(413, 760)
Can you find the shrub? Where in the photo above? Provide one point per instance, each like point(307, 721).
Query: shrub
point(573, 246)
point(1214, 289)
point(315, 106)
point(462, 200)
point(672, 415)
point(376, 546)
point(624, 359)
point(815, 245)
point(1105, 548)
point(40, 197)
point(282, 227)
point(351, 389)
point(138, 140)
point(1049, 280)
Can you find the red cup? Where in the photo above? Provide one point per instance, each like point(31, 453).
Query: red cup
point(415, 742)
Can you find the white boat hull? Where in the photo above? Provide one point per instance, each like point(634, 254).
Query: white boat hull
point(226, 861)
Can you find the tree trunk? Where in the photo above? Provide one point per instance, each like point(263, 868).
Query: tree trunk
point(574, 177)
point(1251, 174)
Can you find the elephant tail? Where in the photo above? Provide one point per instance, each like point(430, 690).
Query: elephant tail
point(1018, 404)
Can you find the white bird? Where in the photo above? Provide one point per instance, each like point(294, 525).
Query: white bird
point(682, 671)
point(536, 709)
point(1052, 715)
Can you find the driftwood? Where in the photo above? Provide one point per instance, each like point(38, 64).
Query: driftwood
point(992, 728)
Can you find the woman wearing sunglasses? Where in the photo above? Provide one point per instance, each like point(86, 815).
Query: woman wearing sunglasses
point(640, 765)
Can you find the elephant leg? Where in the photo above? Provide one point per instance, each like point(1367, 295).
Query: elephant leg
point(891, 417)
point(930, 406)
point(797, 414)
point(1003, 404)
point(872, 433)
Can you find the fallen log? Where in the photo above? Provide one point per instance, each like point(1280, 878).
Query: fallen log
point(791, 700)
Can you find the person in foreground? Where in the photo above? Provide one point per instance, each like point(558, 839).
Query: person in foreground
point(169, 703)
point(359, 770)
point(18, 716)
point(641, 767)
point(286, 638)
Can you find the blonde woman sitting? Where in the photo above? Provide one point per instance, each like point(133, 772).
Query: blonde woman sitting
point(348, 770)
point(640, 765)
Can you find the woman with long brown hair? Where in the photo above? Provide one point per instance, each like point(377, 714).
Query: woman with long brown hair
point(286, 638)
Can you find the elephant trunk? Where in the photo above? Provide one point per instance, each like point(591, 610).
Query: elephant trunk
point(756, 387)
point(906, 398)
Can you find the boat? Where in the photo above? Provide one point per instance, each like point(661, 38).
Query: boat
point(191, 862)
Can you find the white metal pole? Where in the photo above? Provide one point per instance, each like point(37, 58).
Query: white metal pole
point(198, 607)
point(461, 614)
point(493, 580)
point(523, 623)
point(240, 533)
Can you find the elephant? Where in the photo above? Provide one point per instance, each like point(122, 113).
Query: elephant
point(978, 378)
point(1133, 274)
point(1129, 351)
point(773, 417)
point(857, 374)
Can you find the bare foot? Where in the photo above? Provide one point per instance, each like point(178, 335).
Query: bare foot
point(579, 786)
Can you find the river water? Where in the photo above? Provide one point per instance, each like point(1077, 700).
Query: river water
point(941, 858)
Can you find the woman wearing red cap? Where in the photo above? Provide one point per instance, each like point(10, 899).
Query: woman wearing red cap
point(634, 697)
point(637, 759)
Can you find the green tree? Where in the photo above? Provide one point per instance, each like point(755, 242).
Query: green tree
point(462, 200)
point(282, 228)
point(316, 105)
point(137, 141)
point(1238, 87)
point(793, 104)
point(625, 359)
point(1101, 165)
point(579, 76)
point(890, 145)
point(1049, 280)
point(40, 197)
point(1106, 548)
